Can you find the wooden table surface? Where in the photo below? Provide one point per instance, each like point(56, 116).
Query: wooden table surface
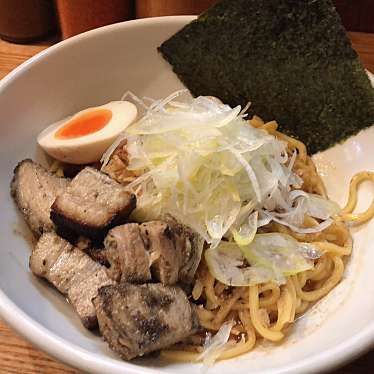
point(19, 356)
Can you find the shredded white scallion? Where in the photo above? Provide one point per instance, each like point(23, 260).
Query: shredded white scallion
point(215, 345)
point(203, 163)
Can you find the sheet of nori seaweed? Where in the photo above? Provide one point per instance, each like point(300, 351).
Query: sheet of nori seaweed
point(290, 58)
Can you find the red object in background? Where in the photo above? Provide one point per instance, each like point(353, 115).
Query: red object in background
point(357, 15)
point(349, 13)
point(26, 21)
point(155, 8)
point(77, 16)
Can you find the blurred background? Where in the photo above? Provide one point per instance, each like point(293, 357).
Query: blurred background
point(29, 21)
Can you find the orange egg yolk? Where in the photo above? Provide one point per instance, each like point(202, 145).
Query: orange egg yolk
point(84, 124)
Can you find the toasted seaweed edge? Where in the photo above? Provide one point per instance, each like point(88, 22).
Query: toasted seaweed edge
point(202, 62)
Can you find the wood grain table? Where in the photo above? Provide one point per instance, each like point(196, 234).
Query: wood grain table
point(19, 356)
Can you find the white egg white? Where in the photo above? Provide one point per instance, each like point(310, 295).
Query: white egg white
point(88, 148)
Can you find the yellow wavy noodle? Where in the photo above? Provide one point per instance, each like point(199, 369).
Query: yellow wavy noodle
point(273, 294)
point(347, 214)
point(266, 310)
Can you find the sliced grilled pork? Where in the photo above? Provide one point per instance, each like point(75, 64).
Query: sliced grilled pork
point(138, 319)
point(98, 254)
point(127, 254)
point(34, 190)
point(160, 239)
point(191, 246)
point(167, 251)
point(72, 272)
point(92, 204)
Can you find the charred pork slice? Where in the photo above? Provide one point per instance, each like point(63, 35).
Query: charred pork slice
point(92, 204)
point(190, 245)
point(175, 250)
point(138, 319)
point(72, 272)
point(160, 240)
point(126, 252)
point(167, 251)
point(34, 190)
point(97, 253)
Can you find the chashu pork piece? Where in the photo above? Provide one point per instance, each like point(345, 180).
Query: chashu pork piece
point(168, 252)
point(97, 253)
point(191, 246)
point(127, 254)
point(72, 272)
point(34, 190)
point(138, 319)
point(92, 204)
point(160, 240)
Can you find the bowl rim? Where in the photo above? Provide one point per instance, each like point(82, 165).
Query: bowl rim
point(82, 359)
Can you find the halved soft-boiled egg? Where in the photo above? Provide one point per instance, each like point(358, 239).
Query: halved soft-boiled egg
point(85, 136)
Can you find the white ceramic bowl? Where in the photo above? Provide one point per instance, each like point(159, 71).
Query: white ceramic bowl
point(97, 67)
